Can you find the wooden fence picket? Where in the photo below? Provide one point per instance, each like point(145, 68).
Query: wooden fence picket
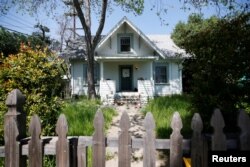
point(219, 142)
point(149, 141)
point(197, 156)
point(99, 148)
point(11, 145)
point(15, 101)
point(35, 143)
point(62, 144)
point(176, 141)
point(244, 124)
point(124, 142)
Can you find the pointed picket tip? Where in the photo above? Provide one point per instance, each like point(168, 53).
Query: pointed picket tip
point(217, 119)
point(35, 125)
point(15, 97)
point(243, 120)
point(124, 121)
point(176, 122)
point(149, 122)
point(62, 126)
point(197, 123)
point(99, 119)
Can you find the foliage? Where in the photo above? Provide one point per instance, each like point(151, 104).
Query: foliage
point(38, 75)
point(136, 6)
point(10, 42)
point(163, 109)
point(219, 68)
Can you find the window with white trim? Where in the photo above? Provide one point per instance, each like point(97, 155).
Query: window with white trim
point(161, 73)
point(125, 43)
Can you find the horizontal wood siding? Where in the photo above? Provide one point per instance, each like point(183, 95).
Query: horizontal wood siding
point(146, 88)
point(107, 88)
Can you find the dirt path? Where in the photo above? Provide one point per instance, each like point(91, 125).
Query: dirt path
point(137, 130)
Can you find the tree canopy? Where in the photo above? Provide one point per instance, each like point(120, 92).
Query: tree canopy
point(10, 42)
point(219, 67)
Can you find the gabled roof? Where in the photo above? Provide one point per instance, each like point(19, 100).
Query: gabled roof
point(162, 44)
point(137, 30)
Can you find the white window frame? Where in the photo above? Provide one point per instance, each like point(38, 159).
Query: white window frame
point(119, 38)
point(159, 81)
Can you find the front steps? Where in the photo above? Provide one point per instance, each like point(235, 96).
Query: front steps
point(126, 98)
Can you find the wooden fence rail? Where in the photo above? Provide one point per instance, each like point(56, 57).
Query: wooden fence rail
point(72, 151)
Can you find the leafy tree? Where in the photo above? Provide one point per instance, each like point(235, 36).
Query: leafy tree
point(38, 74)
point(10, 42)
point(219, 67)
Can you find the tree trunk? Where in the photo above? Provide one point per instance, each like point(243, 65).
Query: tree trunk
point(90, 75)
point(85, 19)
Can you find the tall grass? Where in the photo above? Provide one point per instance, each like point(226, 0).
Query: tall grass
point(163, 108)
point(80, 116)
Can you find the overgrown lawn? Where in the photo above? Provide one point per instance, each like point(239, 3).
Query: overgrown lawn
point(163, 109)
point(80, 115)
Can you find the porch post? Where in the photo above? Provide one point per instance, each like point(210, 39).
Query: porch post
point(151, 71)
point(101, 71)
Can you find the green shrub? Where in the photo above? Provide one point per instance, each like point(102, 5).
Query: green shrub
point(38, 75)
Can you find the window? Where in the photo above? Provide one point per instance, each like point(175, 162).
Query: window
point(161, 74)
point(125, 44)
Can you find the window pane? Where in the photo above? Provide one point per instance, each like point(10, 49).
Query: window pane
point(125, 44)
point(161, 74)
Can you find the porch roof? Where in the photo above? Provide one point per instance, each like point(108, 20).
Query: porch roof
point(127, 57)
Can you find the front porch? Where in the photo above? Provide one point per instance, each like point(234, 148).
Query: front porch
point(110, 94)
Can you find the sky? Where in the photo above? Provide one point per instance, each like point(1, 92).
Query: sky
point(148, 21)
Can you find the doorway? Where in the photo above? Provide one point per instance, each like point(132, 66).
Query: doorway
point(126, 77)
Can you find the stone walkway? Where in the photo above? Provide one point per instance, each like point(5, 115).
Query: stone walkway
point(137, 130)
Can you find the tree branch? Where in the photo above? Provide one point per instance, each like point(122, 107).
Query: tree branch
point(101, 25)
point(85, 27)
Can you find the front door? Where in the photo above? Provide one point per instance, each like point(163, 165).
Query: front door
point(126, 78)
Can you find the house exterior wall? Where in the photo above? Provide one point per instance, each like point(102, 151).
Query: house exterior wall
point(174, 86)
point(78, 80)
point(140, 69)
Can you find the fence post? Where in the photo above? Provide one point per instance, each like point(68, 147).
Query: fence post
point(124, 143)
point(149, 141)
point(62, 144)
point(14, 129)
point(219, 142)
point(197, 151)
point(99, 141)
point(176, 141)
point(35, 143)
point(244, 124)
